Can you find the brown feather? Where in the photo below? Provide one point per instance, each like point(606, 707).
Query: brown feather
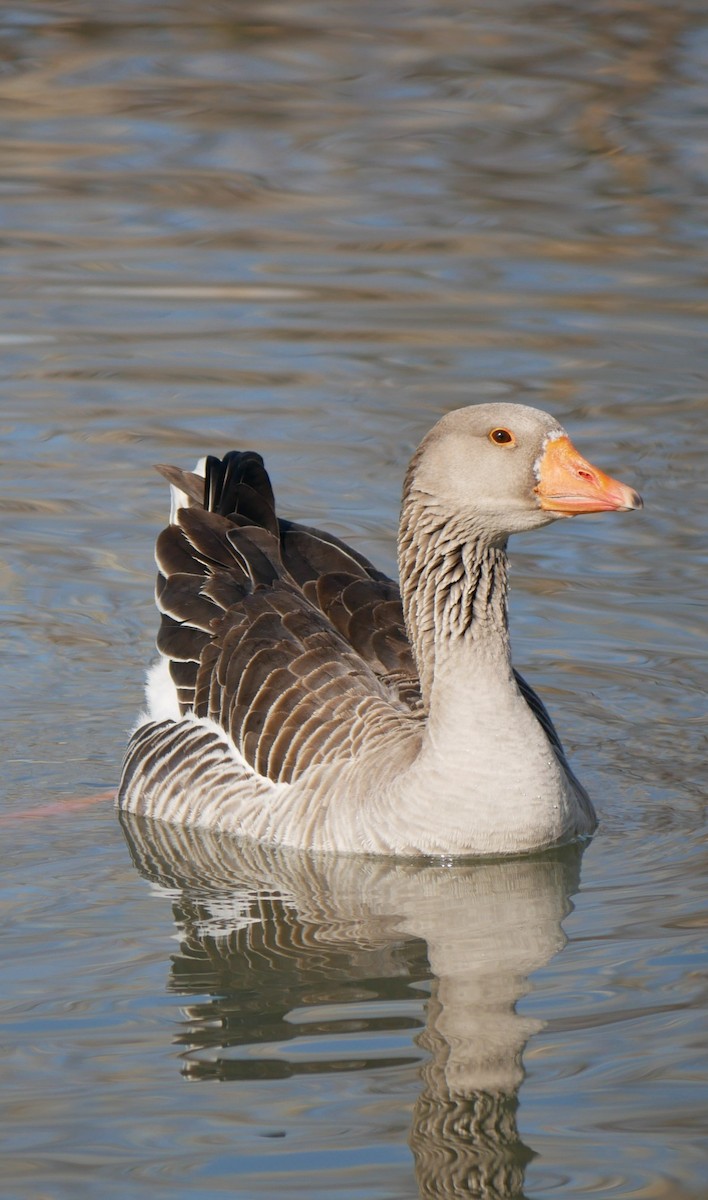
point(186, 481)
point(174, 554)
point(180, 597)
point(180, 642)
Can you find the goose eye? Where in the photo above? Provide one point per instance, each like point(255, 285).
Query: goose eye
point(502, 437)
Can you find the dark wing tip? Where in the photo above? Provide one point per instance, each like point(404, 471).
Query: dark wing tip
point(238, 485)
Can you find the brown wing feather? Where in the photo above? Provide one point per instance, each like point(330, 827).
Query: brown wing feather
point(368, 613)
point(281, 667)
point(309, 553)
point(247, 647)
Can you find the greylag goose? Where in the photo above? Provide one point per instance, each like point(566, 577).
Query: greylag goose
point(301, 699)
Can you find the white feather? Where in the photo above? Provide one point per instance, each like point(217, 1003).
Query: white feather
point(180, 499)
point(160, 693)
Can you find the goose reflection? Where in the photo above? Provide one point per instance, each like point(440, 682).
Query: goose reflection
point(281, 941)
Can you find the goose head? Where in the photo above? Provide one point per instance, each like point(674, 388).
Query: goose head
point(506, 468)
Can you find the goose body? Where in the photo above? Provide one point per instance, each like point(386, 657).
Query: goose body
point(302, 699)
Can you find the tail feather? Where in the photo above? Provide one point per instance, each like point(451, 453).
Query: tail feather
point(185, 481)
point(238, 485)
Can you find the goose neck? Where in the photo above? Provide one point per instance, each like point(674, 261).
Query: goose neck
point(454, 584)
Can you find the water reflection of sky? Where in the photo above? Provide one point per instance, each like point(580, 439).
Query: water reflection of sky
point(313, 229)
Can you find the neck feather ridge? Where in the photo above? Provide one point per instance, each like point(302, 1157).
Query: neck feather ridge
point(454, 585)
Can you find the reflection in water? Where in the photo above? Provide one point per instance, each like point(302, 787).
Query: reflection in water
point(290, 946)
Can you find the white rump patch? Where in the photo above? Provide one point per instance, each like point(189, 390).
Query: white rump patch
point(161, 693)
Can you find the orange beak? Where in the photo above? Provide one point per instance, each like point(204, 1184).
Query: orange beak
point(569, 484)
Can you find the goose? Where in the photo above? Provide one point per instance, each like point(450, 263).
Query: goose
point(302, 698)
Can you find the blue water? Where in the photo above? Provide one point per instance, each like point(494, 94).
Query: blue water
point(313, 229)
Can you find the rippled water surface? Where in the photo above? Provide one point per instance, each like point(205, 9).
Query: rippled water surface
point(312, 228)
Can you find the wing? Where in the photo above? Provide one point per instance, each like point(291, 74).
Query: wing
point(251, 649)
point(542, 715)
point(362, 603)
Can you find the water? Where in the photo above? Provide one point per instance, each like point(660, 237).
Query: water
point(313, 228)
